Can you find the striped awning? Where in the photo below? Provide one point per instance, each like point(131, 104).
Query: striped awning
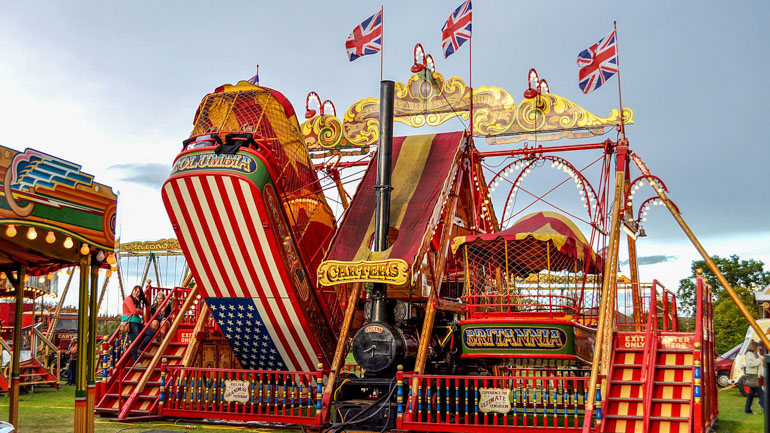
point(531, 235)
point(422, 172)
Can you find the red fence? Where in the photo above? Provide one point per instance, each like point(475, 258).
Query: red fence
point(244, 395)
point(549, 400)
point(704, 399)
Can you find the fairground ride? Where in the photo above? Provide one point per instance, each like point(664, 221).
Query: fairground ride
point(467, 292)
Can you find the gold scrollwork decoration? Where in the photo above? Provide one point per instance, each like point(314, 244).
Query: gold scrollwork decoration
point(427, 99)
point(159, 245)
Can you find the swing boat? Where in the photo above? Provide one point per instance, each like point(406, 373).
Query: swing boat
point(463, 319)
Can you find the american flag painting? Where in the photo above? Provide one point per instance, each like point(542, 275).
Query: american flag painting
point(457, 29)
point(220, 220)
point(598, 63)
point(248, 333)
point(366, 38)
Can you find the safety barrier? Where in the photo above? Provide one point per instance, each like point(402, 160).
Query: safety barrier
point(549, 400)
point(246, 395)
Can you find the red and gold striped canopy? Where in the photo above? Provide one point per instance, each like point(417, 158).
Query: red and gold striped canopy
point(422, 172)
point(528, 242)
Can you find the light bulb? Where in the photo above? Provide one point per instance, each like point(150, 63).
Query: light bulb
point(100, 256)
point(26, 278)
point(50, 276)
point(10, 231)
point(69, 271)
point(84, 249)
point(111, 260)
point(31, 233)
point(108, 273)
point(68, 242)
point(41, 280)
point(3, 276)
point(50, 237)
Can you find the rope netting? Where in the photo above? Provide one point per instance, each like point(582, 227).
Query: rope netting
point(528, 277)
point(274, 127)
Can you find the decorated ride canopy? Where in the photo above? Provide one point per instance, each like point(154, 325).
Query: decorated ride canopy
point(428, 99)
point(425, 172)
point(539, 241)
point(49, 208)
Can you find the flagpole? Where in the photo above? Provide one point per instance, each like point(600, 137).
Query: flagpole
point(470, 73)
point(382, 37)
point(620, 94)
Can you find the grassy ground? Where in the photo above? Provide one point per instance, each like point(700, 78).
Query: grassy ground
point(49, 410)
point(731, 417)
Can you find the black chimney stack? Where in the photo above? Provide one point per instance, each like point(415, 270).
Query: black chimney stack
point(383, 188)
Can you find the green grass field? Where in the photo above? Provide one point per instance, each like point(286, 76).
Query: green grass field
point(49, 410)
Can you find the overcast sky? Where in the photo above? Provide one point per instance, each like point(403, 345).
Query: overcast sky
point(113, 86)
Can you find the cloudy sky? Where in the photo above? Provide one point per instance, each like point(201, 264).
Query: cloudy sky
point(114, 86)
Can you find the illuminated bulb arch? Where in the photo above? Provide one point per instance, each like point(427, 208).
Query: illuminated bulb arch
point(585, 189)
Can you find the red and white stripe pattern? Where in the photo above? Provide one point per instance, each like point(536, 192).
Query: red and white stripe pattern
point(219, 222)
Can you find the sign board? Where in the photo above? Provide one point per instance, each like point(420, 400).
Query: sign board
point(518, 338)
point(236, 390)
point(392, 271)
point(495, 400)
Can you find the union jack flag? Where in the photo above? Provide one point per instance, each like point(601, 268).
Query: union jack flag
point(457, 29)
point(366, 38)
point(597, 63)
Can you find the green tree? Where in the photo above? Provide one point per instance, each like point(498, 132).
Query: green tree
point(749, 274)
point(745, 276)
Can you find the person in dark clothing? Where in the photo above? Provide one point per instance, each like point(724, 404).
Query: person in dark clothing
point(73, 365)
point(160, 322)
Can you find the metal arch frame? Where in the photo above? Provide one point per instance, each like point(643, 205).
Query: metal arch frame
point(527, 163)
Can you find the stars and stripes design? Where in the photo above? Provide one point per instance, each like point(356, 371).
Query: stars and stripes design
point(247, 333)
point(366, 38)
point(218, 220)
point(598, 63)
point(457, 29)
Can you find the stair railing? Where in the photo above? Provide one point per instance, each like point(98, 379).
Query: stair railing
point(190, 296)
point(650, 352)
point(48, 346)
point(6, 369)
point(124, 360)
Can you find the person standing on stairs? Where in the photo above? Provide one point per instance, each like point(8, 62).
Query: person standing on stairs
point(132, 313)
point(751, 379)
point(73, 364)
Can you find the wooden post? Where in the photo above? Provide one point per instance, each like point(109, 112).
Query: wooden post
point(342, 344)
point(192, 345)
point(609, 281)
point(81, 410)
point(92, 358)
point(13, 410)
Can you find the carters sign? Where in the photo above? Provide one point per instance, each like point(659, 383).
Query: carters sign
point(392, 271)
point(491, 338)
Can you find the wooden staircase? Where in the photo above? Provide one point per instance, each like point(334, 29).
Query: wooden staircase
point(124, 385)
point(662, 400)
point(625, 401)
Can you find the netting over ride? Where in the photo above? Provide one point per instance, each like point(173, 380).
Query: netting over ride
point(540, 266)
point(264, 118)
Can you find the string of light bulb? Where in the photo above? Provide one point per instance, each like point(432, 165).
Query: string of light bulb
point(50, 238)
